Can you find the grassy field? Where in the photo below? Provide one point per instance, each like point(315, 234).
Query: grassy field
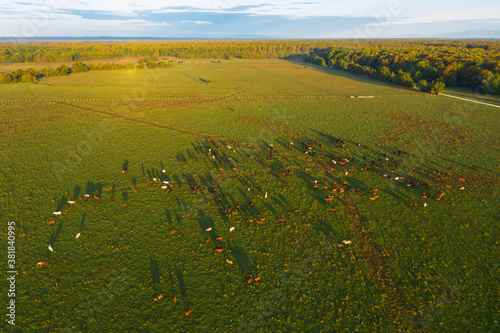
point(412, 180)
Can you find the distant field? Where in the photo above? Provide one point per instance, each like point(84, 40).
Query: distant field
point(411, 180)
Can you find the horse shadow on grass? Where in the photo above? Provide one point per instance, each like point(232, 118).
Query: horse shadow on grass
point(76, 192)
point(315, 192)
point(176, 273)
point(191, 155)
point(189, 179)
point(181, 158)
point(62, 202)
point(357, 183)
point(182, 285)
point(91, 188)
point(168, 214)
point(323, 227)
point(270, 208)
point(155, 273)
point(227, 203)
point(183, 207)
point(250, 207)
point(279, 200)
point(176, 179)
point(55, 234)
point(241, 258)
point(401, 197)
point(154, 173)
point(246, 182)
point(82, 221)
point(178, 218)
point(207, 179)
point(205, 222)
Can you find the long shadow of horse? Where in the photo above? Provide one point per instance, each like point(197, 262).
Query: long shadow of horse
point(207, 179)
point(82, 221)
point(168, 214)
point(91, 188)
point(241, 257)
point(182, 286)
point(55, 234)
point(155, 273)
point(205, 222)
point(323, 227)
point(76, 192)
point(315, 192)
point(176, 273)
point(250, 208)
point(62, 203)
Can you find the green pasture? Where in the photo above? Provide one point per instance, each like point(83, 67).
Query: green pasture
point(409, 268)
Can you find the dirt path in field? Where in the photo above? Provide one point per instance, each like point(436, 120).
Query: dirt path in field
point(471, 100)
point(151, 123)
point(374, 256)
point(143, 121)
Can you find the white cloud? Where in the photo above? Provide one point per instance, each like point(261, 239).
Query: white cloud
point(417, 10)
point(196, 22)
point(78, 17)
point(79, 27)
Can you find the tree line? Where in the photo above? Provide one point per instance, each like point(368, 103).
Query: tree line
point(33, 75)
point(81, 51)
point(428, 65)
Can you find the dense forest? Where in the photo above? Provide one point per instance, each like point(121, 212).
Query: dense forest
point(427, 64)
point(80, 51)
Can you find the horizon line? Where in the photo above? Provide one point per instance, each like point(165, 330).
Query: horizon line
point(111, 38)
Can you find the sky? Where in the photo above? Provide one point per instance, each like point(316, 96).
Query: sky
point(220, 19)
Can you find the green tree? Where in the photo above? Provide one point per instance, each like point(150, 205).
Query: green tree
point(437, 87)
point(424, 86)
point(449, 75)
point(319, 61)
point(404, 79)
point(470, 75)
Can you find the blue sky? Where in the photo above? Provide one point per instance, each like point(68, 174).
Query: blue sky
point(237, 18)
